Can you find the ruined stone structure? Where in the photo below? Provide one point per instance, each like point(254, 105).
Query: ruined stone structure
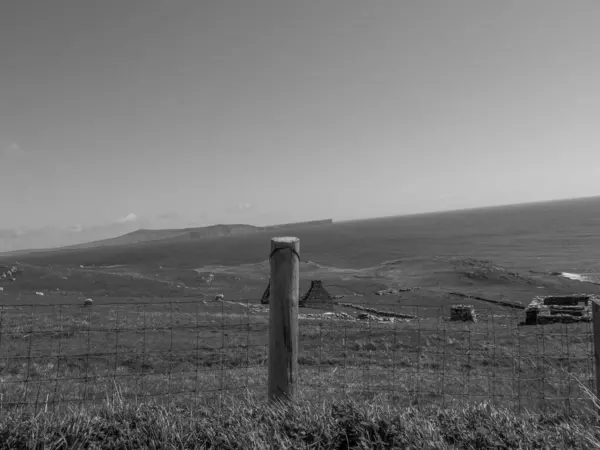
point(317, 297)
point(463, 313)
point(561, 308)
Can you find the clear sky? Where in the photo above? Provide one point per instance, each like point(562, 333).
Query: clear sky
point(267, 111)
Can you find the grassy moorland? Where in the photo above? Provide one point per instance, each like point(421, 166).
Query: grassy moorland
point(156, 336)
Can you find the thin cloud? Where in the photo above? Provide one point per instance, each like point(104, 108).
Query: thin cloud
point(239, 208)
point(168, 216)
point(128, 218)
point(244, 206)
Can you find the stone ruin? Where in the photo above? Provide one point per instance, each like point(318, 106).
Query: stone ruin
point(463, 313)
point(559, 309)
point(317, 297)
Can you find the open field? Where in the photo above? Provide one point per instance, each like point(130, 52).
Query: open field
point(156, 335)
point(204, 351)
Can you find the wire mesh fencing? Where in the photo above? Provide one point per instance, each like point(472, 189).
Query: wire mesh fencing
point(196, 352)
point(431, 359)
point(188, 352)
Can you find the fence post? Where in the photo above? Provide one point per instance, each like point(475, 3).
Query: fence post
point(283, 317)
point(596, 321)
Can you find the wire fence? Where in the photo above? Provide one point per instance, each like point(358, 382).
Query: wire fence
point(203, 352)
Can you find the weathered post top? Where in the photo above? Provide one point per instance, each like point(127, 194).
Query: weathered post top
point(285, 242)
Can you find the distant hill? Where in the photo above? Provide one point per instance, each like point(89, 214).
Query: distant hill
point(190, 234)
point(56, 237)
point(166, 237)
point(142, 236)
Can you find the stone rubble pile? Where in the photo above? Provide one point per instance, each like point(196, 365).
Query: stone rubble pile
point(373, 318)
point(10, 274)
point(378, 312)
point(392, 291)
point(327, 316)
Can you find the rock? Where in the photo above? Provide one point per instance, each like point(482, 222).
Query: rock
point(88, 302)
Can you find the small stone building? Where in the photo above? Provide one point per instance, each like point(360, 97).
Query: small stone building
point(463, 313)
point(316, 296)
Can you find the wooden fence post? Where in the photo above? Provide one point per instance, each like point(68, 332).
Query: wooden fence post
point(596, 321)
point(283, 317)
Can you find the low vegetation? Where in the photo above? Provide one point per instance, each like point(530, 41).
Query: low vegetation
point(248, 424)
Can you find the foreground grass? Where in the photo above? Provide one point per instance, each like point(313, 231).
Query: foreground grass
point(247, 424)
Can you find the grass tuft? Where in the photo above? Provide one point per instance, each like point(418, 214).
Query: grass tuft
point(247, 424)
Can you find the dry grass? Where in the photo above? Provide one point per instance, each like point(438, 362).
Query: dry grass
point(249, 423)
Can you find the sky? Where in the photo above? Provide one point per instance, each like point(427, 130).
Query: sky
point(196, 112)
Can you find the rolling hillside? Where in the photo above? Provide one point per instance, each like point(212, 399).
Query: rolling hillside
point(186, 234)
point(165, 236)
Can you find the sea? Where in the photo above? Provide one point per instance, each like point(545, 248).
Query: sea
point(560, 237)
